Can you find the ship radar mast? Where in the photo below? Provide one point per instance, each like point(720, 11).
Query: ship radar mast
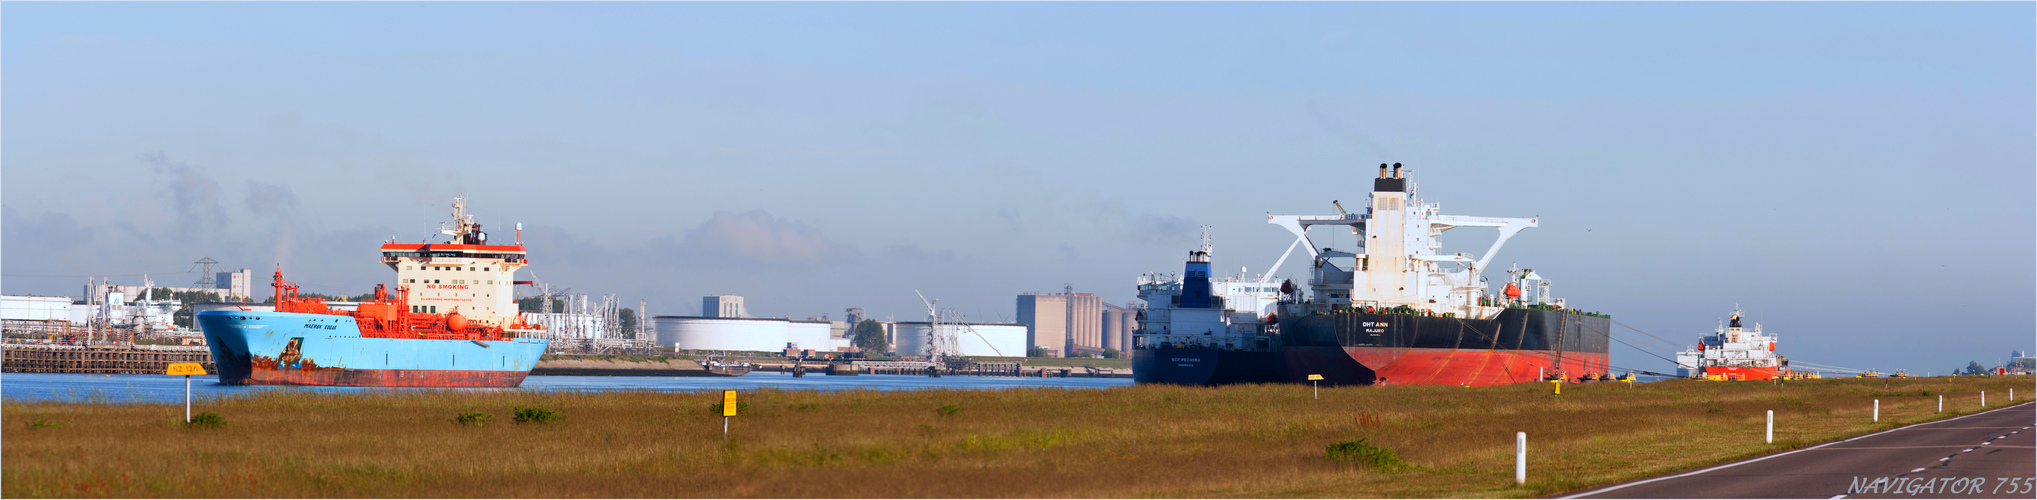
point(464, 230)
point(1202, 255)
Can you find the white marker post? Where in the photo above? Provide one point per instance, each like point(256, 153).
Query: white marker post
point(1520, 458)
point(1941, 403)
point(1771, 426)
point(187, 370)
point(1877, 410)
point(1983, 399)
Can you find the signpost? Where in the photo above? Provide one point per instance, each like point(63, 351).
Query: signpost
point(187, 370)
point(728, 409)
point(1312, 381)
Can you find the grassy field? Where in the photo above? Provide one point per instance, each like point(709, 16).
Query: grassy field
point(1141, 441)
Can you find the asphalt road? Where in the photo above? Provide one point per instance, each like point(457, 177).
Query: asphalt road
point(1991, 454)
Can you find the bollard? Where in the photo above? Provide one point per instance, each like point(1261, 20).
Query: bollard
point(1520, 458)
point(1771, 426)
point(1983, 399)
point(1941, 403)
point(1877, 410)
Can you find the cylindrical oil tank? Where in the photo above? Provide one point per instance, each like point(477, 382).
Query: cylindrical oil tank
point(696, 333)
point(1113, 327)
point(911, 338)
point(991, 339)
point(810, 335)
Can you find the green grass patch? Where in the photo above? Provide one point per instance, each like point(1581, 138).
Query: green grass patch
point(473, 418)
point(1365, 454)
point(536, 416)
point(206, 420)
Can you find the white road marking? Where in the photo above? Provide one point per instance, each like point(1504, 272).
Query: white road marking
point(1966, 450)
point(1744, 462)
point(1919, 469)
point(1837, 497)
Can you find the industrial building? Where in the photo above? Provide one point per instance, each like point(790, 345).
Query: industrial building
point(1062, 323)
point(103, 304)
point(722, 306)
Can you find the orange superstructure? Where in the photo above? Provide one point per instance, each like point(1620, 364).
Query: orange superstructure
point(466, 273)
point(388, 316)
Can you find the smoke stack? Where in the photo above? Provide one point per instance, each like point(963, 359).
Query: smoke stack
point(1396, 170)
point(1382, 170)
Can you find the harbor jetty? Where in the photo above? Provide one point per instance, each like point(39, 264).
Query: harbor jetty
point(122, 359)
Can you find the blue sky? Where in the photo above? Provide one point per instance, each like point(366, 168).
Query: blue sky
point(1858, 176)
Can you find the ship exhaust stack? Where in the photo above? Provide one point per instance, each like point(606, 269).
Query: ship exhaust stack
point(1382, 170)
point(1396, 171)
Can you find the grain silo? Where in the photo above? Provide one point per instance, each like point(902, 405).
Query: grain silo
point(1129, 322)
point(1113, 329)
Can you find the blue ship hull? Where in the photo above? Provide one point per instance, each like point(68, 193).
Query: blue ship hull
point(271, 348)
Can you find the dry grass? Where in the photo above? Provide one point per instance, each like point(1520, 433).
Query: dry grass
point(1146, 441)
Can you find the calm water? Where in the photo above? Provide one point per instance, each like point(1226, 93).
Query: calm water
point(169, 388)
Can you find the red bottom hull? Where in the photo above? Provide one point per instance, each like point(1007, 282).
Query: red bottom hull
point(1475, 367)
point(384, 378)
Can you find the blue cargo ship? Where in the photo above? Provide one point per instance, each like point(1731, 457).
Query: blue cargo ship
point(392, 340)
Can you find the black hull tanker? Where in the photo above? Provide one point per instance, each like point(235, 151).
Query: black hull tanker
point(1435, 327)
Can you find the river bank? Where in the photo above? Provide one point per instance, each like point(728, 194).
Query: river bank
point(655, 366)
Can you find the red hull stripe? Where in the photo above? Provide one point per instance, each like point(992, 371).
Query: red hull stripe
point(1476, 367)
point(400, 247)
point(387, 378)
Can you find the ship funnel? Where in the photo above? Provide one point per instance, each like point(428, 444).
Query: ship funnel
point(1382, 170)
point(1396, 170)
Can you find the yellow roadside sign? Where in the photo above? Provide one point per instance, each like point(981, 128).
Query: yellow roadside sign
point(185, 369)
point(1315, 377)
point(728, 403)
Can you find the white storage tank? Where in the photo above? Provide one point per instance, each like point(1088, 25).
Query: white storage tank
point(810, 335)
point(992, 339)
point(32, 308)
point(695, 333)
point(910, 338)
